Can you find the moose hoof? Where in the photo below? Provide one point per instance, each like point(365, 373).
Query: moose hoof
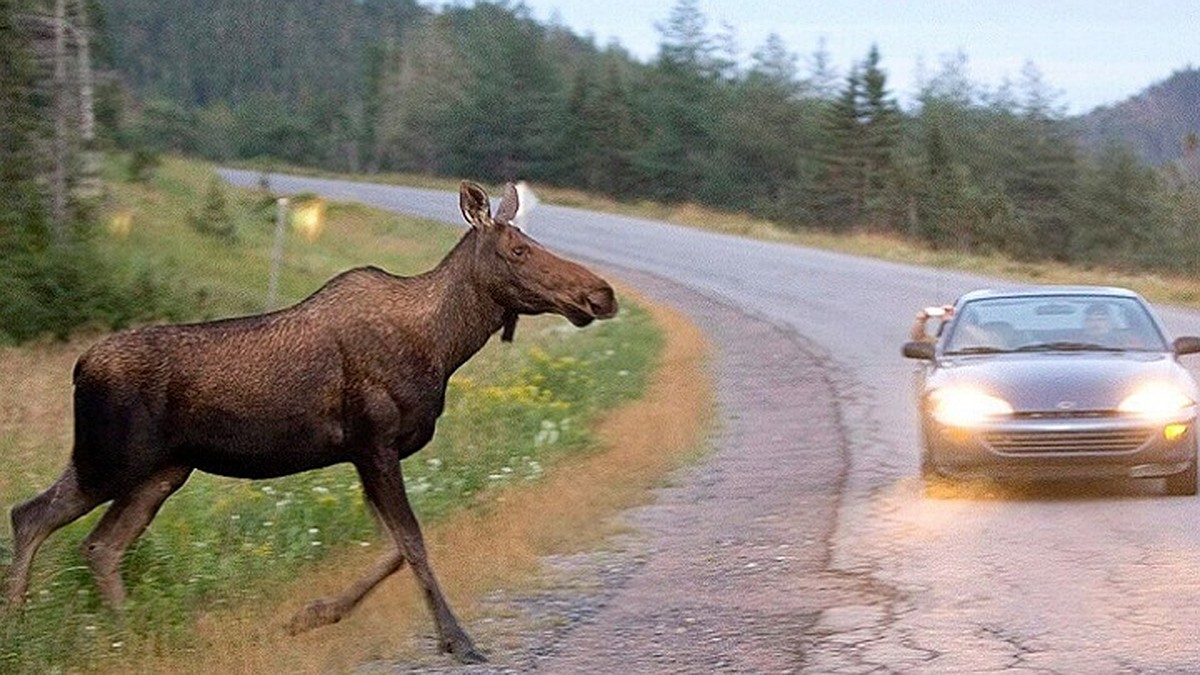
point(463, 651)
point(314, 615)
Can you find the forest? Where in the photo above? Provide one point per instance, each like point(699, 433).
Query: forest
point(487, 92)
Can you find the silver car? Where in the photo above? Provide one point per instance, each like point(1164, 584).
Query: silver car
point(1057, 383)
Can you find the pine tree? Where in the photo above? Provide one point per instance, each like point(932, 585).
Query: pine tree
point(681, 101)
point(1039, 165)
point(880, 119)
point(769, 134)
point(23, 217)
point(510, 117)
point(424, 77)
point(838, 198)
point(600, 134)
point(1119, 214)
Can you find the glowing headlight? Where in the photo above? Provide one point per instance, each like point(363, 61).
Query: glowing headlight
point(967, 407)
point(1158, 400)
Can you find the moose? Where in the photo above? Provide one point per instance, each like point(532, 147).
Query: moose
point(356, 372)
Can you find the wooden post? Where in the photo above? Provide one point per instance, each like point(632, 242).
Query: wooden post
point(277, 250)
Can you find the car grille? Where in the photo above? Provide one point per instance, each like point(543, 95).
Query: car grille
point(1065, 414)
point(1067, 442)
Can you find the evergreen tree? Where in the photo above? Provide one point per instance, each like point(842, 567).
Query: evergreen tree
point(1118, 210)
point(822, 76)
point(600, 132)
point(424, 78)
point(22, 202)
point(775, 67)
point(838, 198)
point(880, 119)
point(769, 132)
point(681, 101)
point(1034, 156)
point(578, 144)
point(688, 46)
point(50, 282)
point(510, 116)
point(943, 208)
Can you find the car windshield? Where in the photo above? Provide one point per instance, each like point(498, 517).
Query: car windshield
point(1053, 323)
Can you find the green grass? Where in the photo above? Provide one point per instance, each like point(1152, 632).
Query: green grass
point(511, 414)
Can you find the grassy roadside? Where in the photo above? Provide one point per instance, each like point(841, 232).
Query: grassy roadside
point(1157, 287)
point(223, 546)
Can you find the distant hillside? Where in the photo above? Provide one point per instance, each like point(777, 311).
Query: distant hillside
point(1155, 123)
point(197, 52)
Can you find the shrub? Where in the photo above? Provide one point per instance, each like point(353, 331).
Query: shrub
point(55, 290)
point(215, 218)
point(142, 163)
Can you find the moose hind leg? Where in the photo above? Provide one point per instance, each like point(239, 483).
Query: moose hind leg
point(325, 611)
point(36, 519)
point(384, 486)
point(123, 523)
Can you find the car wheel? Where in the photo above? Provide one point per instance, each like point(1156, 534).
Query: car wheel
point(1183, 483)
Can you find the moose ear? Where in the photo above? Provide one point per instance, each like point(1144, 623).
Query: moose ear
point(474, 204)
point(508, 205)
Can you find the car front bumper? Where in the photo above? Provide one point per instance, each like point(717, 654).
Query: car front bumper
point(1058, 447)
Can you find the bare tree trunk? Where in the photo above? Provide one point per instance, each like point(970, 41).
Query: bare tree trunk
point(87, 112)
point(88, 186)
point(58, 202)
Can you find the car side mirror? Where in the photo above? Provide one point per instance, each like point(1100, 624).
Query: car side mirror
point(924, 350)
point(1187, 344)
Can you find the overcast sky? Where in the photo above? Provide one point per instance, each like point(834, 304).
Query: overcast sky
point(1093, 52)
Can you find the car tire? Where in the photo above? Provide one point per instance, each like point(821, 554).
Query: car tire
point(1184, 483)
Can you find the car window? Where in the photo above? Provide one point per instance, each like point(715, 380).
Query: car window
point(1053, 322)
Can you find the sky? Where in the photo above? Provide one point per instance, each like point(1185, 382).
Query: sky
point(1090, 52)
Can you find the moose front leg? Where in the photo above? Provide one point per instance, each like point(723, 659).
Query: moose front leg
point(384, 486)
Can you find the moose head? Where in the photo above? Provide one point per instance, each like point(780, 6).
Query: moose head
point(523, 276)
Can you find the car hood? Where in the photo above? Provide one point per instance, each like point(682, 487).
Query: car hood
point(1057, 381)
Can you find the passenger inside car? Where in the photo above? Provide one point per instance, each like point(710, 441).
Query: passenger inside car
point(972, 334)
point(920, 327)
point(1101, 327)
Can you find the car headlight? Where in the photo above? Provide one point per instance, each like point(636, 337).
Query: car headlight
point(965, 407)
point(1157, 400)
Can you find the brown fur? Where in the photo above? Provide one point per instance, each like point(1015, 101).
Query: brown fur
point(355, 373)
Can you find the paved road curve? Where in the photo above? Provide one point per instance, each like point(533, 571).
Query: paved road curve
point(1098, 580)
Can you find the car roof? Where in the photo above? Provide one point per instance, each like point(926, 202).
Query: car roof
point(1032, 291)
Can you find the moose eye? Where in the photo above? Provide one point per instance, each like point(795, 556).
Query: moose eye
point(520, 250)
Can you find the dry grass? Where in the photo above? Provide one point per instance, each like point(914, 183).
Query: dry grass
point(35, 413)
point(482, 549)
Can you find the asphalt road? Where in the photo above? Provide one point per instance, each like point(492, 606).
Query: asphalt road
point(1097, 579)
